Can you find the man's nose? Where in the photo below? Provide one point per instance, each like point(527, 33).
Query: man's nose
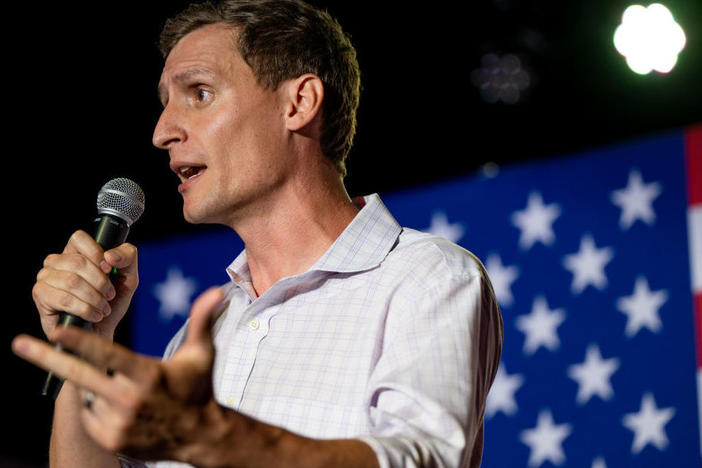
point(168, 130)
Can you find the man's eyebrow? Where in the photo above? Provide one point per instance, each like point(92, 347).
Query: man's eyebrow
point(184, 76)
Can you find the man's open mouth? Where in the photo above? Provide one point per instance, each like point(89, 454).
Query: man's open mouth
point(188, 172)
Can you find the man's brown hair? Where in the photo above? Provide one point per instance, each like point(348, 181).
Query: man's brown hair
point(281, 40)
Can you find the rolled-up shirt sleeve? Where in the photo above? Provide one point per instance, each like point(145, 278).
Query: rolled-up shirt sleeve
point(439, 357)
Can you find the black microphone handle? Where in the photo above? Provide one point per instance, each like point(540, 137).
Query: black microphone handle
point(109, 231)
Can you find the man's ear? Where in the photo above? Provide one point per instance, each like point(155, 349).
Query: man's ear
point(304, 101)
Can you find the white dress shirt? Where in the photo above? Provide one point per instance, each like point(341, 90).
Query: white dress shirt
point(393, 337)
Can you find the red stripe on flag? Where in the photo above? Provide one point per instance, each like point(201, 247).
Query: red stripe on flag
point(693, 151)
point(693, 158)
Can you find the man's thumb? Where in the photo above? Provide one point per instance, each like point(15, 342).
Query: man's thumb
point(202, 316)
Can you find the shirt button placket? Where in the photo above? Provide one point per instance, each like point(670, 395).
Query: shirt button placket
point(230, 401)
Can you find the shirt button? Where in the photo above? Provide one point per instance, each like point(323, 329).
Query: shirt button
point(253, 324)
point(230, 401)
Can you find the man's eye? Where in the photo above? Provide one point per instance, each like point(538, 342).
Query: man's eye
point(203, 95)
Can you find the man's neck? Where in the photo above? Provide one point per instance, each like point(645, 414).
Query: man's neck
point(293, 231)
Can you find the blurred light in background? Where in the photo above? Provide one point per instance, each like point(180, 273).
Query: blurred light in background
point(649, 38)
point(501, 78)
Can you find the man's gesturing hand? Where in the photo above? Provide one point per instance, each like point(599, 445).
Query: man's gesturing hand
point(146, 408)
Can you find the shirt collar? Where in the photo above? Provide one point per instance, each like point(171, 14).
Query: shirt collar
point(364, 244)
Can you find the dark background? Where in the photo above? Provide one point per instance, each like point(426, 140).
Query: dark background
point(80, 99)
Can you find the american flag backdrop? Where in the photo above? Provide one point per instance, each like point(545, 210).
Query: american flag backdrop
point(596, 260)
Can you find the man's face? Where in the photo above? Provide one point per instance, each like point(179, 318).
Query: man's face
point(223, 131)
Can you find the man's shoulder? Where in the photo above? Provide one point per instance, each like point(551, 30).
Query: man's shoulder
point(429, 253)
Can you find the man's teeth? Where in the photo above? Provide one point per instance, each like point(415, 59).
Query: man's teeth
point(190, 171)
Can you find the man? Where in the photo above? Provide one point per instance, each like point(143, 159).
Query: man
point(342, 340)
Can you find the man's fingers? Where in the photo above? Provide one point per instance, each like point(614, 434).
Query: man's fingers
point(100, 352)
point(74, 271)
point(66, 291)
point(62, 364)
point(49, 299)
point(122, 256)
point(124, 259)
point(83, 243)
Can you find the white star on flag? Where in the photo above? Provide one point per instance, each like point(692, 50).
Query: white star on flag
point(536, 221)
point(593, 375)
point(545, 440)
point(648, 424)
point(539, 327)
point(599, 462)
point(641, 308)
point(441, 227)
point(501, 396)
point(501, 277)
point(636, 200)
point(588, 264)
point(174, 294)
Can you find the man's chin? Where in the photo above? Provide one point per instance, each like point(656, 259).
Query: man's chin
point(192, 216)
point(199, 216)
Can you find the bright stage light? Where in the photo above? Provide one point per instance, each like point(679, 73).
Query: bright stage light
point(649, 38)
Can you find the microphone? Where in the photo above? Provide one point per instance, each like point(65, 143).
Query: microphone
point(120, 203)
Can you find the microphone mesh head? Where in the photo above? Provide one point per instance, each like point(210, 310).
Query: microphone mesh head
point(122, 198)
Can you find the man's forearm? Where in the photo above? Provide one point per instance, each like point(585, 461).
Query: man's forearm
point(71, 446)
point(230, 439)
point(219, 438)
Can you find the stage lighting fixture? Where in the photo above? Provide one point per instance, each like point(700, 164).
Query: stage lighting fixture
point(501, 78)
point(649, 38)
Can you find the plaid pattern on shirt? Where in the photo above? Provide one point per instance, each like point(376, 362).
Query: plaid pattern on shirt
point(393, 337)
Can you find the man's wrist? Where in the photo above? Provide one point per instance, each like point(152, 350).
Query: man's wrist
point(223, 437)
point(227, 438)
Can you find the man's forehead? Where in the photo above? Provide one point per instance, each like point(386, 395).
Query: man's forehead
point(214, 39)
point(202, 51)
point(186, 73)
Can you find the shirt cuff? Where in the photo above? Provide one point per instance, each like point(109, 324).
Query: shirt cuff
point(126, 462)
point(395, 452)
